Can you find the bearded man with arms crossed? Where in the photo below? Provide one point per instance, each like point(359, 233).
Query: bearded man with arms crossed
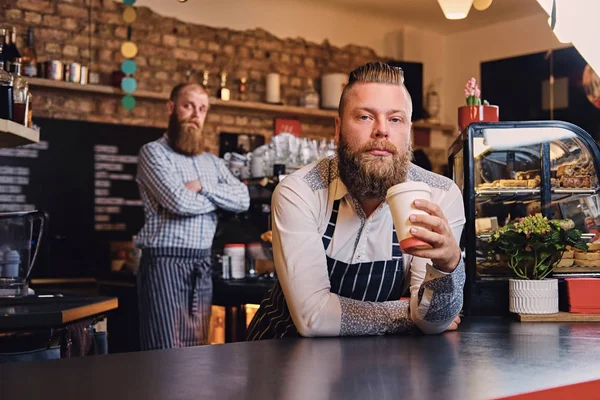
point(181, 186)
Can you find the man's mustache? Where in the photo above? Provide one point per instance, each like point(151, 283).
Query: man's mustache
point(379, 145)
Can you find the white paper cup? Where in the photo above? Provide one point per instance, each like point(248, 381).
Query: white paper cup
point(401, 200)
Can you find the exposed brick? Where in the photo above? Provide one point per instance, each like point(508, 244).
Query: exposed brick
point(186, 54)
point(105, 55)
point(309, 63)
point(184, 42)
point(229, 50)
point(121, 32)
point(227, 120)
point(296, 82)
point(70, 50)
point(241, 121)
point(285, 58)
point(214, 46)
point(36, 5)
point(199, 44)
point(84, 54)
point(14, 15)
point(33, 18)
point(109, 18)
point(243, 52)
point(162, 76)
point(52, 35)
point(169, 40)
point(70, 24)
point(51, 20)
point(155, 62)
point(213, 117)
point(68, 10)
point(207, 58)
point(52, 48)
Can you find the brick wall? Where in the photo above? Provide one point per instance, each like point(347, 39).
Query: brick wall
point(169, 48)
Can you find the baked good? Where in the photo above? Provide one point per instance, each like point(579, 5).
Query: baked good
point(589, 256)
point(577, 181)
point(567, 255)
point(593, 246)
point(565, 262)
point(588, 263)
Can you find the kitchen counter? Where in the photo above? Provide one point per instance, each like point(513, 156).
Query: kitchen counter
point(50, 311)
point(487, 358)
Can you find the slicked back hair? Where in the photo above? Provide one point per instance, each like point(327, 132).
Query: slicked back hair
point(374, 72)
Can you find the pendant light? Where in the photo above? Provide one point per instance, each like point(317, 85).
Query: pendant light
point(481, 5)
point(455, 9)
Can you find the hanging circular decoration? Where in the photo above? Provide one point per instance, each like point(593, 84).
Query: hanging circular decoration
point(591, 85)
point(128, 67)
point(129, 15)
point(129, 49)
point(128, 85)
point(128, 102)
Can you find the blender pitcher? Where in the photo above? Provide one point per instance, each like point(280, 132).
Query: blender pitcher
point(16, 234)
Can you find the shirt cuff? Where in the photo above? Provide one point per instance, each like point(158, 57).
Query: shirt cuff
point(431, 272)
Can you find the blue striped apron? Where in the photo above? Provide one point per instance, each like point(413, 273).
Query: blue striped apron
point(366, 281)
point(174, 297)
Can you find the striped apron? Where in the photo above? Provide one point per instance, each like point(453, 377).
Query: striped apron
point(366, 281)
point(174, 297)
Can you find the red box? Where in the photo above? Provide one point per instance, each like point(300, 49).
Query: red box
point(583, 295)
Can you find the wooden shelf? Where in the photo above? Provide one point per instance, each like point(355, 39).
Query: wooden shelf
point(233, 104)
point(561, 316)
point(446, 128)
point(13, 134)
point(143, 94)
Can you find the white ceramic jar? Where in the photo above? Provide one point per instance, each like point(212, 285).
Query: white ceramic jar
point(237, 253)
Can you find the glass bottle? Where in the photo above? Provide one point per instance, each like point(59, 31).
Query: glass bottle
point(29, 56)
point(310, 97)
point(20, 88)
point(11, 52)
point(6, 90)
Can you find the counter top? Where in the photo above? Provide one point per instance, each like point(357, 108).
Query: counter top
point(34, 312)
point(487, 358)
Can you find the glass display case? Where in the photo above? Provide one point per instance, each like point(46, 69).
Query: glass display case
point(507, 170)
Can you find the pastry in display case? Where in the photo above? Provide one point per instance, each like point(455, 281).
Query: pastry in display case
point(508, 170)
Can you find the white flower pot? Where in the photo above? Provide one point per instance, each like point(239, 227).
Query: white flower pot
point(533, 296)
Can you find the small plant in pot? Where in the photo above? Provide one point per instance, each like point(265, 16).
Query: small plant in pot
point(533, 246)
point(476, 110)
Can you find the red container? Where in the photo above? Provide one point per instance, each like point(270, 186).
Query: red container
point(583, 295)
point(469, 114)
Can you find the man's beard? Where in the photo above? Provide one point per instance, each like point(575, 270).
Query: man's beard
point(367, 176)
point(185, 137)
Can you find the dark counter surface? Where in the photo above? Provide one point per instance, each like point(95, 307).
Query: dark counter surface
point(487, 358)
point(48, 311)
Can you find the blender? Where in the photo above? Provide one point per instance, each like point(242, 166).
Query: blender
point(16, 239)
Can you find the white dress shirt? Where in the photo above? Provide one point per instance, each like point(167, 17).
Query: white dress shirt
point(301, 208)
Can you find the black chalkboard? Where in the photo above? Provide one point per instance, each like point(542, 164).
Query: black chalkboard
point(83, 175)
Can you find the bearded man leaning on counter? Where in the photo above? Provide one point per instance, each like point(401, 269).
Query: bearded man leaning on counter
point(341, 269)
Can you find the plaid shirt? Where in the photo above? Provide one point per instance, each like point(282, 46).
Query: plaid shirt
point(176, 216)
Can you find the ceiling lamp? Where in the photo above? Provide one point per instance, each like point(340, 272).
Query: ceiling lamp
point(455, 9)
point(481, 5)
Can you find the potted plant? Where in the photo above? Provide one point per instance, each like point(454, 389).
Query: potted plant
point(475, 110)
point(533, 246)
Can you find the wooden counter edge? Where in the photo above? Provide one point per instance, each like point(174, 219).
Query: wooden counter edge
point(86, 311)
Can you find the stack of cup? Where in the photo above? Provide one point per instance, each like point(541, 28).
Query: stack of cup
point(401, 200)
point(237, 255)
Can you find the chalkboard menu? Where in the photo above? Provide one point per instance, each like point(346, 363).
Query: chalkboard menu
point(83, 176)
